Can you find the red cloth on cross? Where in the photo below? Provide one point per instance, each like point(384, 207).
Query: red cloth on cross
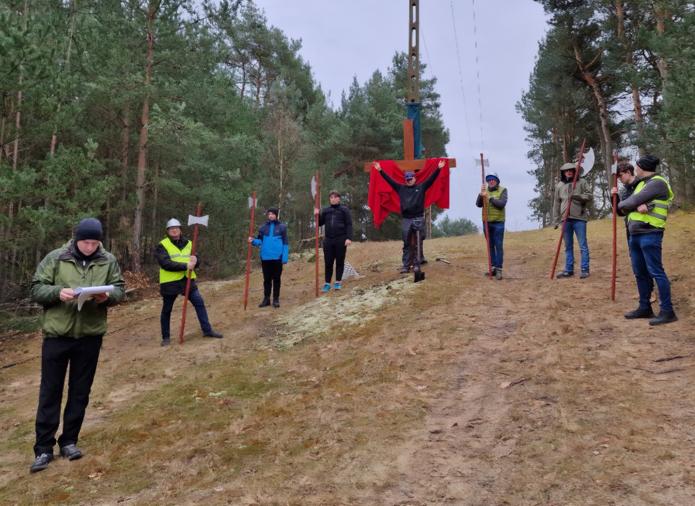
point(383, 199)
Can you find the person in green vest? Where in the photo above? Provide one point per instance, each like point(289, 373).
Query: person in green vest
point(497, 198)
point(647, 212)
point(72, 336)
point(173, 254)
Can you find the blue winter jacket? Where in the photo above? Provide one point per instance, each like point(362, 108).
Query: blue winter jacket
point(272, 238)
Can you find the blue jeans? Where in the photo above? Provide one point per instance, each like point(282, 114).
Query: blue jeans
point(199, 305)
point(496, 241)
point(578, 227)
point(645, 253)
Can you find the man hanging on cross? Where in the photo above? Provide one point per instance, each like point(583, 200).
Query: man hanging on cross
point(412, 206)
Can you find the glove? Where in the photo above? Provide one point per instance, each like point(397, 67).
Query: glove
point(556, 226)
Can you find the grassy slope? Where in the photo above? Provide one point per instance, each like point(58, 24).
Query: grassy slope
point(389, 392)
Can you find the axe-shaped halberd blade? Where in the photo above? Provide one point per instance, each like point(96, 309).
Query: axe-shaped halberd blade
point(198, 220)
point(588, 161)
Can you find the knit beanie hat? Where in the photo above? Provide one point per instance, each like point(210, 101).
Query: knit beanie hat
point(648, 163)
point(89, 229)
point(274, 210)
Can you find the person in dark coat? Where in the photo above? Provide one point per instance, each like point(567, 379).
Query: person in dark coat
point(337, 236)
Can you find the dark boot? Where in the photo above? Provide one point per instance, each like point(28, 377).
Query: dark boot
point(265, 303)
point(276, 303)
point(640, 312)
point(565, 274)
point(212, 333)
point(664, 317)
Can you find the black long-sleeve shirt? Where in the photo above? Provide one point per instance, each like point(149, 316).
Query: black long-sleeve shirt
point(412, 197)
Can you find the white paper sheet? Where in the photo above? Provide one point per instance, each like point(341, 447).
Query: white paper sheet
point(85, 292)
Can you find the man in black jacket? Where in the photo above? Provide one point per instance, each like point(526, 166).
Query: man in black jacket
point(173, 254)
point(337, 236)
point(412, 197)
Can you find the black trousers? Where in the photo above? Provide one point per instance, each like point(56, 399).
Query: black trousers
point(82, 355)
point(272, 272)
point(334, 250)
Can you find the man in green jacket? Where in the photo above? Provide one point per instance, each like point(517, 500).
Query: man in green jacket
point(72, 337)
point(576, 220)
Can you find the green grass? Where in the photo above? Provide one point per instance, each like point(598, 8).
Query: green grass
point(13, 323)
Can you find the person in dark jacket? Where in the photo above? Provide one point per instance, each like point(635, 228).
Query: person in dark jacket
point(337, 236)
point(497, 196)
point(272, 239)
point(647, 212)
point(72, 336)
point(173, 254)
point(628, 180)
point(412, 198)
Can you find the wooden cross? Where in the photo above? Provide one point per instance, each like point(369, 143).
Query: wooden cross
point(409, 163)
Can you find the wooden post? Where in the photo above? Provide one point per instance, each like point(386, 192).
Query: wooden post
point(485, 224)
point(198, 212)
point(248, 251)
point(317, 205)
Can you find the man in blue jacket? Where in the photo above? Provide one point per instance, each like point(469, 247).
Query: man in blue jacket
point(272, 239)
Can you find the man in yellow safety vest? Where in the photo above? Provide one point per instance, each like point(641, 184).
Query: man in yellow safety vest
point(173, 254)
point(647, 211)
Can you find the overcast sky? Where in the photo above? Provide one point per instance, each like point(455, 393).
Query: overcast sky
point(342, 39)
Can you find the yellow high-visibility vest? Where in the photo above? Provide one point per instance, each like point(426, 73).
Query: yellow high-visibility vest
point(657, 214)
point(176, 255)
point(494, 214)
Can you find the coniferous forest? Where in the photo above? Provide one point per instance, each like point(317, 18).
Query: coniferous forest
point(134, 111)
point(620, 74)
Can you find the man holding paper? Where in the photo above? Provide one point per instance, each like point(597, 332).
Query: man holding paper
point(72, 336)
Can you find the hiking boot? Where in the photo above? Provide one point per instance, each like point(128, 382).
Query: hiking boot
point(166, 341)
point(404, 270)
point(337, 285)
point(41, 462)
point(276, 303)
point(664, 317)
point(326, 288)
point(212, 333)
point(565, 274)
point(498, 274)
point(640, 312)
point(487, 273)
point(584, 275)
point(265, 303)
point(70, 452)
point(423, 261)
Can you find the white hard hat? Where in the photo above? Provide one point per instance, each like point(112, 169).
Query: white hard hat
point(173, 223)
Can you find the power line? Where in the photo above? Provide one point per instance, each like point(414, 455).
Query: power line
point(477, 75)
point(460, 68)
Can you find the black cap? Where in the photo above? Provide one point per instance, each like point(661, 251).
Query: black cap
point(648, 163)
point(89, 229)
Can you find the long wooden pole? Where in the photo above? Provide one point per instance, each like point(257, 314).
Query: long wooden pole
point(248, 251)
point(317, 205)
point(569, 206)
point(614, 259)
point(485, 224)
point(198, 212)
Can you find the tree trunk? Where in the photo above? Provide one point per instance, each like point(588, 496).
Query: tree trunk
point(660, 13)
point(629, 59)
point(142, 143)
point(593, 84)
point(125, 152)
point(71, 33)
